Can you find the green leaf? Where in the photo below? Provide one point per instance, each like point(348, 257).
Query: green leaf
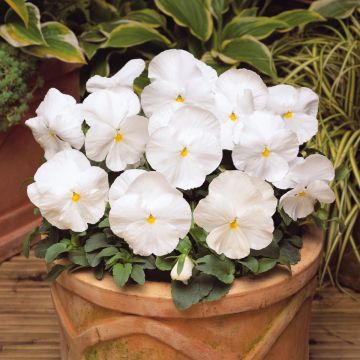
point(17, 34)
point(342, 172)
point(199, 235)
point(297, 17)
point(164, 264)
point(184, 245)
point(54, 272)
point(277, 236)
point(334, 8)
point(219, 7)
point(20, 8)
point(95, 259)
point(295, 241)
point(271, 251)
point(290, 252)
point(285, 217)
point(224, 269)
point(121, 273)
point(249, 50)
point(61, 42)
point(131, 34)
point(192, 14)
point(197, 288)
point(78, 257)
point(251, 263)
point(249, 12)
point(266, 265)
point(147, 16)
point(258, 27)
point(99, 271)
point(104, 223)
point(96, 241)
point(54, 251)
point(218, 291)
point(138, 274)
point(27, 241)
point(180, 263)
point(42, 246)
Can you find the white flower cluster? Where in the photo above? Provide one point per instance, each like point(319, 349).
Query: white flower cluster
point(191, 116)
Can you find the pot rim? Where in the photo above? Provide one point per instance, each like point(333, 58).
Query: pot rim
point(154, 298)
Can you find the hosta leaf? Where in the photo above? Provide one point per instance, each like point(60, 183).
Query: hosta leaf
point(219, 7)
point(224, 269)
point(121, 273)
point(61, 42)
point(192, 14)
point(131, 34)
point(335, 8)
point(258, 27)
point(297, 17)
point(249, 50)
point(54, 251)
point(20, 8)
point(147, 16)
point(17, 34)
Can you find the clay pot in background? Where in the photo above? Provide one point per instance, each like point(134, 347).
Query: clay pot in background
point(20, 156)
point(264, 317)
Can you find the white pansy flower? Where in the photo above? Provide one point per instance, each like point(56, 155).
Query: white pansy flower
point(116, 132)
point(185, 273)
point(151, 216)
point(238, 93)
point(298, 107)
point(265, 147)
point(187, 149)
point(57, 125)
point(124, 78)
point(287, 181)
point(177, 80)
point(69, 192)
point(122, 183)
point(310, 180)
point(237, 214)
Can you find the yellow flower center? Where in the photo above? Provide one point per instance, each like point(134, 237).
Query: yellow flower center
point(184, 152)
point(179, 99)
point(75, 197)
point(288, 115)
point(301, 193)
point(118, 137)
point(233, 117)
point(151, 219)
point(266, 152)
point(234, 224)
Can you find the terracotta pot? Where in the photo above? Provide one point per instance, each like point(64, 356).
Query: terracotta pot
point(20, 156)
point(264, 317)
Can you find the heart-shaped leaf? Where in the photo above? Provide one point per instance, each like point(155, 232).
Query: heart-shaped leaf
point(20, 8)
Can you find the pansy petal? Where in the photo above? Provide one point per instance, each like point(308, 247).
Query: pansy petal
point(321, 191)
point(303, 125)
point(122, 183)
point(308, 102)
point(295, 205)
point(315, 167)
point(98, 141)
point(233, 243)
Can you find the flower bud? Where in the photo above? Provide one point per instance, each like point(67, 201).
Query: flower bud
point(185, 273)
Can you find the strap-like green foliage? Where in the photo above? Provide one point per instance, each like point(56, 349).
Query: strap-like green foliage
point(15, 94)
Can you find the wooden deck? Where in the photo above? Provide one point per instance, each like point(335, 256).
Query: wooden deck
point(29, 329)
